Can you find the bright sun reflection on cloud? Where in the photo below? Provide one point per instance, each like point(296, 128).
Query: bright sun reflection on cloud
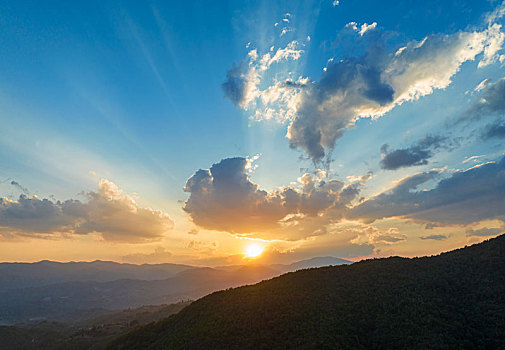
point(253, 251)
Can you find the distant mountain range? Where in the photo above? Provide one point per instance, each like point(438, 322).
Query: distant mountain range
point(455, 300)
point(73, 291)
point(20, 275)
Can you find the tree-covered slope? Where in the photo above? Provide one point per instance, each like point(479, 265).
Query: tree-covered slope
point(454, 300)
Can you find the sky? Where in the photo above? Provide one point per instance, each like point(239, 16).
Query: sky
point(195, 132)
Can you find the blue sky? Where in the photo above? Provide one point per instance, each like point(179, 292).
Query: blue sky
point(146, 94)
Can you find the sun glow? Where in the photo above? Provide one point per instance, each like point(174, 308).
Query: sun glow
point(253, 251)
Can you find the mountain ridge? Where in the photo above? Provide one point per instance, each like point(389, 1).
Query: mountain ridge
point(452, 300)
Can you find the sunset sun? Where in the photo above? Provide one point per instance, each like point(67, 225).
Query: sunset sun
point(253, 251)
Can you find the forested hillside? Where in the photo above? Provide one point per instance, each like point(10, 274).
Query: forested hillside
point(451, 301)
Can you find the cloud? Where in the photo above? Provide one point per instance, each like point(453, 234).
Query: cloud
point(472, 159)
point(463, 198)
point(490, 102)
point(108, 211)
point(368, 84)
point(372, 235)
point(434, 237)
point(495, 130)
point(431, 225)
point(366, 27)
point(159, 256)
point(19, 187)
point(485, 232)
point(236, 85)
point(373, 84)
point(224, 198)
point(416, 154)
point(242, 81)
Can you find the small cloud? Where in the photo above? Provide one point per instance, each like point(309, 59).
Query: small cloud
point(490, 102)
point(431, 226)
point(434, 237)
point(335, 3)
point(361, 178)
point(286, 30)
point(485, 232)
point(472, 159)
point(202, 246)
point(352, 25)
point(193, 231)
point(481, 85)
point(159, 256)
point(416, 154)
point(367, 27)
point(19, 187)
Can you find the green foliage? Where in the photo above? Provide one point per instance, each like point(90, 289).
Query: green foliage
point(92, 334)
point(452, 301)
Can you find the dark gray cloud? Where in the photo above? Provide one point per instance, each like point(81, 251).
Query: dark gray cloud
point(235, 85)
point(416, 154)
point(224, 198)
point(434, 237)
point(19, 187)
point(109, 212)
point(431, 225)
point(464, 197)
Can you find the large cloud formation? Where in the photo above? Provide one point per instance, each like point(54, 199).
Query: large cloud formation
point(108, 211)
point(224, 198)
point(368, 85)
point(465, 197)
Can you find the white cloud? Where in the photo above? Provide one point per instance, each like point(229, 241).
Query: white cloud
point(366, 27)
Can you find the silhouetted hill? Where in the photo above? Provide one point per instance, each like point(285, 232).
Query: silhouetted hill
point(316, 262)
point(452, 301)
